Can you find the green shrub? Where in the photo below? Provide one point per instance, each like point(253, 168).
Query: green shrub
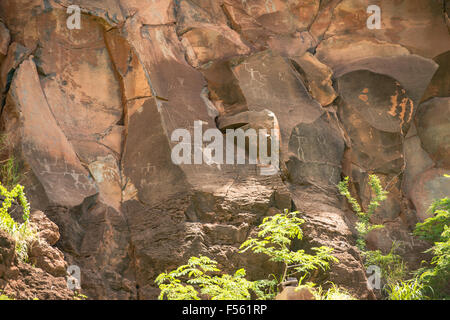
point(437, 275)
point(393, 269)
point(433, 281)
point(274, 240)
point(4, 297)
point(437, 229)
point(9, 168)
point(432, 228)
point(363, 226)
point(199, 272)
point(412, 289)
point(333, 293)
point(201, 275)
point(22, 233)
point(9, 172)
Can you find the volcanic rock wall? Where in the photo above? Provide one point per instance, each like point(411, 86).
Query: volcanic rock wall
point(90, 113)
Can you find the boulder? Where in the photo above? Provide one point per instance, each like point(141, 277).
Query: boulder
point(46, 229)
point(374, 115)
point(317, 78)
point(413, 72)
point(429, 186)
point(433, 129)
point(5, 38)
point(268, 81)
point(296, 293)
point(44, 146)
point(417, 159)
point(7, 252)
point(440, 83)
point(316, 150)
point(48, 258)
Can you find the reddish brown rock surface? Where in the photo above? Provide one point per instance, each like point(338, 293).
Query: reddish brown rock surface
point(90, 113)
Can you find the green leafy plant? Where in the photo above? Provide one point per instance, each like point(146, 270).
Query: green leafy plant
point(265, 289)
point(333, 293)
point(437, 275)
point(9, 172)
point(412, 289)
point(9, 168)
point(5, 297)
point(432, 281)
point(393, 269)
point(200, 276)
point(22, 233)
point(363, 226)
point(274, 240)
point(199, 273)
point(432, 228)
point(79, 296)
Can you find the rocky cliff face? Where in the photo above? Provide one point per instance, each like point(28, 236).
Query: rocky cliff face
point(44, 276)
point(90, 113)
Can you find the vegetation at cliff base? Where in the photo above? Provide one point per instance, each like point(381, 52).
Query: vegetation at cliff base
point(22, 233)
point(363, 226)
point(436, 275)
point(9, 167)
point(275, 239)
point(201, 278)
point(429, 282)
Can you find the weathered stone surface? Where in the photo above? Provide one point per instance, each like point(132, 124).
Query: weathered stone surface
point(49, 259)
point(103, 101)
point(84, 95)
point(205, 35)
point(379, 100)
point(413, 72)
point(223, 88)
point(276, 15)
point(374, 132)
point(258, 20)
point(150, 12)
point(16, 54)
point(338, 51)
point(293, 293)
point(291, 45)
point(322, 21)
point(134, 82)
point(316, 150)
point(413, 24)
point(23, 281)
point(317, 78)
point(7, 248)
point(109, 10)
point(5, 38)
point(417, 160)
point(326, 225)
point(431, 185)
point(46, 229)
point(433, 128)
point(212, 43)
point(269, 82)
point(440, 84)
point(151, 173)
point(106, 174)
point(44, 146)
point(248, 119)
